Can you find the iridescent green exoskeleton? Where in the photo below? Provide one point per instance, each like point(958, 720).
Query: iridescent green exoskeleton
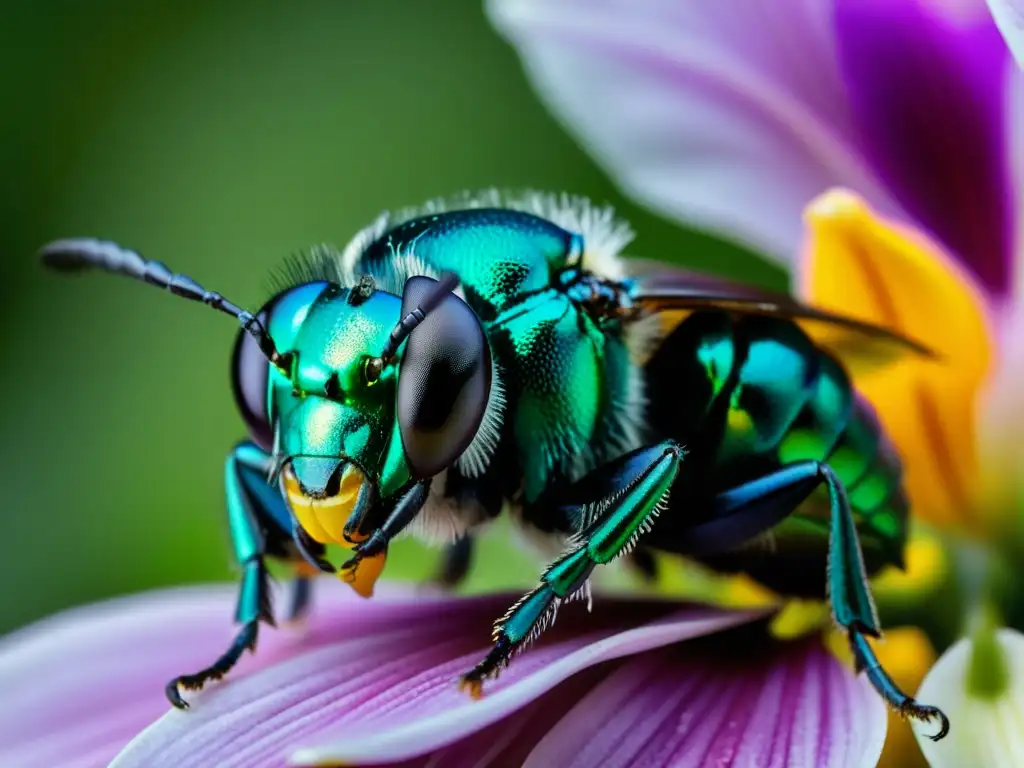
point(497, 354)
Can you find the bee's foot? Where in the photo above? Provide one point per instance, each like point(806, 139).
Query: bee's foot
point(473, 685)
point(244, 640)
point(926, 713)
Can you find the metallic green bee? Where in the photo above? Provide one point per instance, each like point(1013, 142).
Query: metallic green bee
point(496, 353)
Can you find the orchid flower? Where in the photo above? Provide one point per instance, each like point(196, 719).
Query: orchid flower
point(373, 683)
point(876, 149)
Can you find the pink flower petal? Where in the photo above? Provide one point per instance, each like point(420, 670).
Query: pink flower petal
point(393, 696)
point(1002, 416)
point(1015, 116)
point(510, 741)
point(1010, 360)
point(726, 115)
point(81, 685)
point(796, 706)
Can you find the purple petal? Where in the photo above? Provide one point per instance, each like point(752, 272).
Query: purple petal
point(795, 706)
point(81, 685)
point(928, 85)
point(510, 741)
point(392, 696)
point(726, 115)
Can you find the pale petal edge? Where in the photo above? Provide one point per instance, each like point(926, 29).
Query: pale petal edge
point(982, 731)
point(430, 727)
point(699, 113)
point(1009, 17)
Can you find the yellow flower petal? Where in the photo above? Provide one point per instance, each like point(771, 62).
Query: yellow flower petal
point(741, 591)
point(983, 731)
point(860, 264)
point(797, 618)
point(926, 569)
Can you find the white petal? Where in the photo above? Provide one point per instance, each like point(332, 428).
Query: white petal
point(982, 732)
point(1001, 419)
point(727, 115)
point(1009, 16)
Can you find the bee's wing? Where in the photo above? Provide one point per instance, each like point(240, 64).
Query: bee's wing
point(675, 294)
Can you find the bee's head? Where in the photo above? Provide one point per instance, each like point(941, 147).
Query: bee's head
point(377, 391)
point(355, 393)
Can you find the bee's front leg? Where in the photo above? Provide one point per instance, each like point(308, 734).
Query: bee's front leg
point(256, 527)
point(375, 547)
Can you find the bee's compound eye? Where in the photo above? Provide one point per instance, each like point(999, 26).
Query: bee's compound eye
point(250, 374)
point(250, 370)
point(443, 382)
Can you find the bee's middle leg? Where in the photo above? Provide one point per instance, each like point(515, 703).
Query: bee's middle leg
point(613, 506)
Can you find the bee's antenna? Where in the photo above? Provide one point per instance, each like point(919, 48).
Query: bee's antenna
point(76, 254)
point(405, 326)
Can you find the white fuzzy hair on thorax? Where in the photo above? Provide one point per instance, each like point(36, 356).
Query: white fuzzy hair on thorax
point(604, 234)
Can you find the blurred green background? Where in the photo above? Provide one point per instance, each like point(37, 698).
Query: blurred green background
point(219, 137)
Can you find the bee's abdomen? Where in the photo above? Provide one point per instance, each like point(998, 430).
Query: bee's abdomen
point(776, 384)
point(752, 394)
point(748, 396)
point(826, 413)
point(688, 375)
point(804, 407)
point(734, 391)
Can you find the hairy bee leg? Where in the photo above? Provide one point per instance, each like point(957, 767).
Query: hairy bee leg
point(254, 591)
point(854, 608)
point(852, 604)
point(634, 487)
point(455, 562)
point(867, 662)
point(252, 518)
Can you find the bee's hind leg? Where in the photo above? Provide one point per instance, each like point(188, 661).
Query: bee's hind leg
point(756, 504)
